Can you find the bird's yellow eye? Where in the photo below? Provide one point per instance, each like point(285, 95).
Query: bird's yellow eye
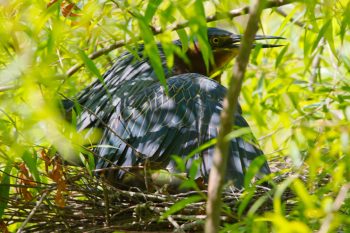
point(215, 41)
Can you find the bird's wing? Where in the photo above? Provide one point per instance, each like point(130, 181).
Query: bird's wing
point(153, 125)
point(100, 98)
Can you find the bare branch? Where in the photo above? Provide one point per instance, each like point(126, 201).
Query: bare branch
point(7, 88)
point(33, 211)
point(97, 54)
point(294, 21)
point(218, 170)
point(338, 202)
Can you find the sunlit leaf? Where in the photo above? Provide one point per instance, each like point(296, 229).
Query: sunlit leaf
point(151, 10)
point(253, 170)
point(151, 50)
point(345, 21)
point(183, 38)
point(281, 55)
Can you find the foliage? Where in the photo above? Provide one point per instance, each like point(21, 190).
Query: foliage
point(296, 98)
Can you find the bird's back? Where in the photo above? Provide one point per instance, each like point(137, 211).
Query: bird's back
point(141, 124)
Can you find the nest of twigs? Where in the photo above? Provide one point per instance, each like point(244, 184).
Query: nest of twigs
point(77, 201)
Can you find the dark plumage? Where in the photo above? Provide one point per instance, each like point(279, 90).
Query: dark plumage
point(141, 124)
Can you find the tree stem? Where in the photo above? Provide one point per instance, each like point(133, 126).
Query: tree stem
point(217, 173)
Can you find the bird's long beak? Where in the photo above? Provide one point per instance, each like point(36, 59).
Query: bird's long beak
point(236, 39)
point(261, 37)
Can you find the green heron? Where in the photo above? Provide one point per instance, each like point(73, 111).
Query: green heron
point(143, 126)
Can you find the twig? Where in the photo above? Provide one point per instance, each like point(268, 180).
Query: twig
point(218, 170)
point(106, 200)
point(316, 64)
point(336, 206)
point(175, 224)
point(7, 88)
point(32, 212)
point(97, 54)
point(294, 21)
point(192, 225)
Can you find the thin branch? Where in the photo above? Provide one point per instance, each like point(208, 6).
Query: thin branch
point(218, 170)
point(97, 54)
point(32, 212)
point(316, 64)
point(175, 224)
point(106, 200)
point(293, 20)
point(338, 202)
point(7, 88)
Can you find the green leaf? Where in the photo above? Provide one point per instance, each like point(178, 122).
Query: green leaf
point(151, 10)
point(346, 62)
point(307, 45)
point(194, 168)
point(74, 118)
point(90, 65)
point(280, 56)
point(93, 69)
point(287, 20)
point(201, 148)
point(5, 189)
point(281, 188)
point(300, 189)
point(183, 38)
point(88, 159)
point(234, 134)
point(321, 34)
point(198, 26)
point(238, 133)
point(345, 22)
point(253, 170)
point(249, 194)
point(30, 160)
point(181, 204)
point(329, 36)
point(167, 15)
point(180, 162)
point(151, 50)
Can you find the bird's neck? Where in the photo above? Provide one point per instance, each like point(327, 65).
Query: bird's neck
point(195, 63)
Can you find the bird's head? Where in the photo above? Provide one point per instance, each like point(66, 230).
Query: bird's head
point(224, 45)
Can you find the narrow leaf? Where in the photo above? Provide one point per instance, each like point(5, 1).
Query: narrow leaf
point(180, 205)
point(151, 10)
point(5, 189)
point(93, 69)
point(253, 170)
point(345, 22)
point(321, 34)
point(31, 162)
point(90, 65)
point(151, 50)
point(280, 56)
point(183, 38)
